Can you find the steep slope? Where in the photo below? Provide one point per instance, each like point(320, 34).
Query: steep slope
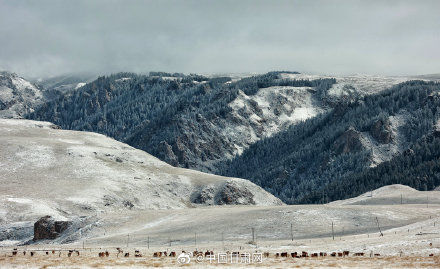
point(324, 158)
point(18, 96)
point(69, 174)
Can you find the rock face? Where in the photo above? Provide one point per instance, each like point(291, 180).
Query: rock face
point(348, 142)
point(381, 131)
point(232, 195)
point(166, 153)
point(229, 194)
point(48, 228)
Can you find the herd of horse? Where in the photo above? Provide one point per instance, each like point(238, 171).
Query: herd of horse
point(161, 254)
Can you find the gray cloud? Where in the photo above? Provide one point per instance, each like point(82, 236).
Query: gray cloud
point(43, 38)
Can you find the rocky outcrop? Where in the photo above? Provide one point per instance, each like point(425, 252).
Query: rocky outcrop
point(205, 196)
point(349, 141)
point(381, 131)
point(49, 228)
point(228, 194)
point(165, 153)
point(231, 194)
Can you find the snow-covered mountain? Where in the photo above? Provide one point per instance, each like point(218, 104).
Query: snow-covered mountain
point(18, 96)
point(205, 123)
point(69, 174)
point(63, 84)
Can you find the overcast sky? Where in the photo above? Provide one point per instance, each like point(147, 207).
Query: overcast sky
point(46, 38)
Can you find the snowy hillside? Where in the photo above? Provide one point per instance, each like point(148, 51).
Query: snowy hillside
point(17, 96)
point(269, 111)
point(392, 195)
point(356, 84)
point(68, 174)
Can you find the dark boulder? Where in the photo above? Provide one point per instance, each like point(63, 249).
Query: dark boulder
point(49, 228)
point(231, 194)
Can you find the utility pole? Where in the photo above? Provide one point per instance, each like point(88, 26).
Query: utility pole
point(343, 232)
point(195, 240)
point(427, 201)
point(148, 242)
point(223, 240)
point(128, 239)
point(253, 235)
point(291, 231)
point(378, 226)
point(401, 199)
point(333, 231)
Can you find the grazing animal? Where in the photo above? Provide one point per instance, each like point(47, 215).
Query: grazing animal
point(172, 254)
point(294, 254)
point(359, 254)
point(127, 255)
point(277, 255)
point(77, 252)
point(305, 254)
point(346, 252)
point(333, 254)
point(284, 254)
point(32, 253)
point(24, 252)
point(322, 254)
point(106, 253)
point(266, 254)
point(137, 254)
point(431, 255)
point(376, 254)
point(53, 251)
point(314, 254)
point(210, 252)
point(69, 254)
point(340, 254)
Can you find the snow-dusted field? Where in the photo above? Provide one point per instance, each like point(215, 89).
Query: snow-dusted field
point(411, 235)
point(359, 83)
point(118, 196)
point(81, 176)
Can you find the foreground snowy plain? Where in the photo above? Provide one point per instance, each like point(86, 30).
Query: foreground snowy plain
point(411, 235)
point(77, 175)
